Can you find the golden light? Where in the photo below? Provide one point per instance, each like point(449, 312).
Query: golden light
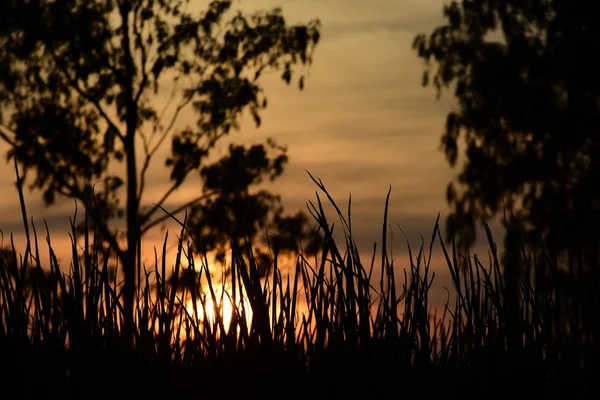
point(223, 308)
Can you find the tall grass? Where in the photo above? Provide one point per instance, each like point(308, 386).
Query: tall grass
point(331, 325)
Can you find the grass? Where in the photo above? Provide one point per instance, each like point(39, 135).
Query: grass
point(331, 326)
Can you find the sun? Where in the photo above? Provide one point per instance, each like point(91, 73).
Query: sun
point(225, 310)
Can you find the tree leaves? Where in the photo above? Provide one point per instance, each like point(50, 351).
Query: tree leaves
point(80, 80)
point(527, 90)
point(241, 212)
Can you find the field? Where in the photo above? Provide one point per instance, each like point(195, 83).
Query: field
point(332, 325)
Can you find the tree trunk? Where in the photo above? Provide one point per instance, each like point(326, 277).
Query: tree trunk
point(133, 235)
point(133, 228)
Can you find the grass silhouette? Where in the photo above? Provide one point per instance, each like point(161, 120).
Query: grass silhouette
point(332, 326)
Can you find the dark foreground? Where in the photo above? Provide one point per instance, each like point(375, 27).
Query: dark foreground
point(330, 327)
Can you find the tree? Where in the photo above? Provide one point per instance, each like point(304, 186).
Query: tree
point(525, 75)
point(78, 87)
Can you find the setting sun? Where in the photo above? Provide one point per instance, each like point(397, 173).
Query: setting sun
point(222, 308)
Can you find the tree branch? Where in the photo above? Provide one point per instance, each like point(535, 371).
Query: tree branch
point(146, 217)
point(177, 210)
point(180, 107)
point(137, 31)
point(4, 134)
point(152, 152)
point(75, 85)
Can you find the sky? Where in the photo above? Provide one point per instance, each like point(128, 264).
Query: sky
point(363, 123)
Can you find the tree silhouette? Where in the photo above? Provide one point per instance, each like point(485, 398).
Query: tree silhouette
point(79, 82)
point(525, 75)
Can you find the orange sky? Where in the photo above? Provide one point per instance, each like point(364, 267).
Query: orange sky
point(362, 123)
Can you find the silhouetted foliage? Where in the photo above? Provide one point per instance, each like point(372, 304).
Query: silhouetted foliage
point(301, 331)
point(525, 75)
point(79, 82)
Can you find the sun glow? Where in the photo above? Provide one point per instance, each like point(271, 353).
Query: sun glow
point(208, 310)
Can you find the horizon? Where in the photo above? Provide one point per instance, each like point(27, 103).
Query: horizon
point(362, 124)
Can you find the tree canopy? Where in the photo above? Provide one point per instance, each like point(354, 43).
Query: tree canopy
point(79, 83)
point(525, 75)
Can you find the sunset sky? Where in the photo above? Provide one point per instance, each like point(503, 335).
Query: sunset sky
point(362, 123)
